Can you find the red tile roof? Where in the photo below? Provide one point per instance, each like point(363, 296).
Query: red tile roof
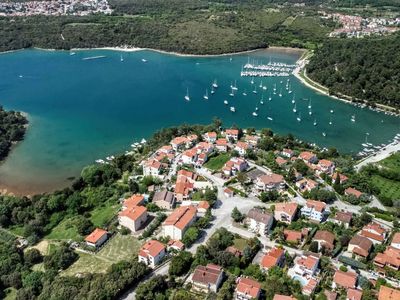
point(354, 192)
point(292, 235)
point(327, 237)
point(306, 155)
point(283, 297)
point(232, 131)
point(133, 201)
point(396, 238)
point(316, 205)
point(391, 257)
point(181, 216)
point(308, 262)
point(363, 245)
point(272, 258)
point(207, 274)
point(151, 248)
point(221, 142)
point(133, 213)
point(97, 234)
point(248, 286)
point(289, 208)
point(345, 279)
point(177, 244)
point(353, 294)
point(387, 293)
point(271, 179)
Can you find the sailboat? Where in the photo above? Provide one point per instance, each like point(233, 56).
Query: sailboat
point(122, 59)
point(232, 109)
point(324, 134)
point(262, 99)
point(252, 80)
point(331, 111)
point(309, 104)
point(235, 87)
point(294, 108)
point(72, 53)
point(212, 90)
point(366, 144)
point(353, 118)
point(226, 102)
point(256, 108)
point(299, 117)
point(274, 88)
point(293, 101)
point(330, 121)
point(244, 93)
point(187, 97)
point(264, 87)
point(255, 114)
point(255, 90)
point(280, 93)
point(270, 97)
point(215, 84)
point(269, 118)
point(315, 122)
point(144, 60)
point(310, 112)
point(206, 95)
point(261, 85)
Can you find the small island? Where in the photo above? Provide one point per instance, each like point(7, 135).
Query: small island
point(12, 130)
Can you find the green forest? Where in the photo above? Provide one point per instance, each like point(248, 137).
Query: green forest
point(196, 27)
point(12, 129)
point(366, 69)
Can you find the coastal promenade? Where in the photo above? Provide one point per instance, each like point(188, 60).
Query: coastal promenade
point(380, 155)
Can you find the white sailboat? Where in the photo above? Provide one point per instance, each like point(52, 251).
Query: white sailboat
point(330, 121)
point(255, 114)
point(353, 118)
point(270, 97)
point(315, 122)
point(231, 93)
point(324, 134)
point(144, 60)
point(269, 118)
point(310, 112)
point(293, 101)
point(226, 102)
point(206, 95)
point(122, 59)
point(262, 99)
point(261, 85)
point(294, 108)
point(244, 93)
point(331, 111)
point(299, 117)
point(252, 80)
point(274, 89)
point(256, 108)
point(309, 104)
point(235, 87)
point(215, 84)
point(264, 87)
point(187, 97)
point(280, 93)
point(232, 109)
point(255, 90)
point(212, 90)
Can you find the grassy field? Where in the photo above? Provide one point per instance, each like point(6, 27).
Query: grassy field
point(392, 162)
point(217, 162)
point(65, 230)
point(120, 247)
point(102, 215)
point(388, 188)
point(240, 244)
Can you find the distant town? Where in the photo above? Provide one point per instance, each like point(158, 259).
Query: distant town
point(54, 8)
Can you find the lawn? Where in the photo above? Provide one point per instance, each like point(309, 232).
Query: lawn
point(100, 216)
point(240, 244)
point(65, 230)
point(392, 162)
point(120, 247)
point(388, 188)
point(217, 162)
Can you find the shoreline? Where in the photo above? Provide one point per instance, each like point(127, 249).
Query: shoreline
point(304, 79)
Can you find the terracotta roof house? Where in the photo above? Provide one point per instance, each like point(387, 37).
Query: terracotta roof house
point(273, 258)
point(314, 210)
point(133, 218)
point(221, 145)
point(306, 265)
point(166, 149)
point(133, 201)
point(259, 221)
point(210, 137)
point(97, 238)
point(360, 246)
point(247, 289)
point(164, 199)
point(287, 153)
point(283, 297)
point(325, 239)
point(228, 193)
point(310, 287)
point(326, 166)
point(232, 134)
point(179, 221)
point(242, 147)
point(375, 232)
point(270, 182)
point(233, 250)
point(396, 241)
point(281, 161)
point(252, 139)
point(308, 157)
point(342, 178)
point(306, 184)
point(330, 295)
point(285, 211)
point(188, 175)
point(390, 258)
point(353, 294)
point(343, 218)
point(152, 167)
point(179, 142)
point(353, 192)
point(203, 206)
point(235, 165)
point(294, 236)
point(175, 245)
point(344, 279)
point(152, 253)
point(207, 278)
point(387, 293)
point(183, 187)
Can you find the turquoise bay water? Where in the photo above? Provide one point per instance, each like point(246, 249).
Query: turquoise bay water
point(82, 110)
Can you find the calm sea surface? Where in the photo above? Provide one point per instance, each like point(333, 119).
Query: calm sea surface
point(82, 110)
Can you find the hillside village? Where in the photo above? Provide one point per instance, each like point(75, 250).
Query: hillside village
point(221, 221)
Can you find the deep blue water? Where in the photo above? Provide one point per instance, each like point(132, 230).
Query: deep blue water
point(81, 110)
